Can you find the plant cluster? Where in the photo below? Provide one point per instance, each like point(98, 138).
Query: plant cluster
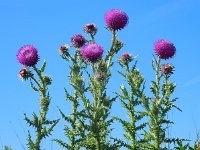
point(89, 125)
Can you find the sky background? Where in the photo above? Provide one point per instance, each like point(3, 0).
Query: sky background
point(49, 23)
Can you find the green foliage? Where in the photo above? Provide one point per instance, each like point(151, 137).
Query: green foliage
point(43, 127)
point(131, 98)
point(7, 148)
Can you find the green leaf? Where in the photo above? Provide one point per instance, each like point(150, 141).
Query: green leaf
point(43, 66)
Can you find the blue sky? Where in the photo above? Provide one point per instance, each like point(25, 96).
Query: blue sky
point(48, 24)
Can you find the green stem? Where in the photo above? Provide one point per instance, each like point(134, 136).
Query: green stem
point(38, 84)
point(43, 89)
point(110, 53)
point(157, 124)
point(157, 78)
point(92, 37)
point(74, 117)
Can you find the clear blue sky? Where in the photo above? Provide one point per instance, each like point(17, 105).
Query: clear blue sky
point(49, 23)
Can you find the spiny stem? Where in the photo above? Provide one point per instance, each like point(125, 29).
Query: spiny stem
point(157, 125)
point(43, 89)
point(112, 45)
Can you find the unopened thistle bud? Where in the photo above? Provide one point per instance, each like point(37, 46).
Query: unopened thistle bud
point(100, 76)
point(167, 69)
point(47, 80)
point(90, 28)
point(24, 74)
point(63, 49)
point(125, 58)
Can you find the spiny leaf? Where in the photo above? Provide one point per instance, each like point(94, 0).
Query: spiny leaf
point(43, 66)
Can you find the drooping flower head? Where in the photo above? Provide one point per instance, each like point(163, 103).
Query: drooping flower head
point(78, 40)
point(92, 52)
point(63, 49)
point(167, 69)
point(164, 49)
point(24, 74)
point(125, 58)
point(116, 19)
point(90, 28)
point(28, 55)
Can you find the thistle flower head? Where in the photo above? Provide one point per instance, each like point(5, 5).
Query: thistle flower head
point(164, 49)
point(125, 58)
point(167, 69)
point(28, 55)
point(92, 52)
point(24, 74)
point(90, 28)
point(116, 19)
point(78, 40)
point(63, 49)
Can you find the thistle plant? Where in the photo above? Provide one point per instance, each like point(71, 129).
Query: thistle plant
point(158, 107)
point(74, 129)
point(90, 127)
point(131, 99)
point(28, 57)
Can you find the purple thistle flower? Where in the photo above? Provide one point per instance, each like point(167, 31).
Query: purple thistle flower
point(28, 55)
point(78, 40)
point(92, 52)
point(90, 28)
point(164, 49)
point(116, 19)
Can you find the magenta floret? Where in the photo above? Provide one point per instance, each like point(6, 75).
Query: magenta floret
point(92, 52)
point(116, 19)
point(164, 49)
point(28, 55)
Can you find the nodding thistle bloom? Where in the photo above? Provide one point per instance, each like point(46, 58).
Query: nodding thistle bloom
point(63, 49)
point(24, 74)
point(90, 28)
point(167, 69)
point(92, 52)
point(100, 76)
point(116, 19)
point(164, 49)
point(78, 40)
point(125, 58)
point(28, 55)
